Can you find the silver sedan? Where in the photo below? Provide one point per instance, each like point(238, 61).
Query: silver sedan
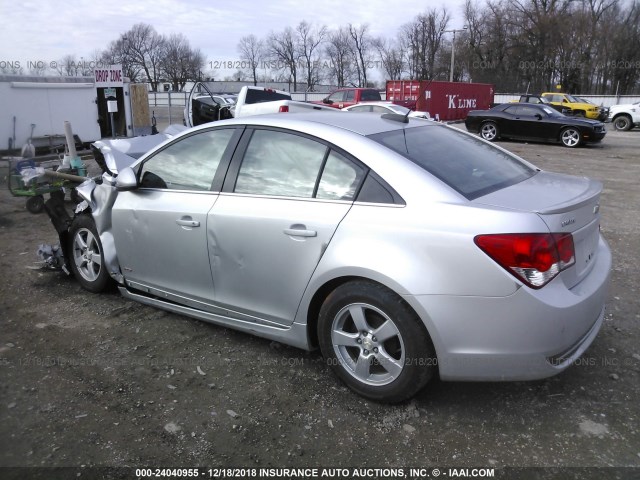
point(386, 107)
point(403, 249)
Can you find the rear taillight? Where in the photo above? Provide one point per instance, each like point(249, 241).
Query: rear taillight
point(534, 258)
point(283, 108)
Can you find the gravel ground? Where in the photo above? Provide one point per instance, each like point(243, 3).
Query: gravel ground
point(97, 380)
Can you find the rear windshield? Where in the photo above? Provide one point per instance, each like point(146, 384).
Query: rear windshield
point(259, 96)
point(467, 164)
point(370, 95)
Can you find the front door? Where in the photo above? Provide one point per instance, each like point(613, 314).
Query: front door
point(160, 229)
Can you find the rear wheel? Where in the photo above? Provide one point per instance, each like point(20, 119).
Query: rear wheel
point(570, 137)
point(489, 131)
point(375, 342)
point(87, 258)
point(622, 122)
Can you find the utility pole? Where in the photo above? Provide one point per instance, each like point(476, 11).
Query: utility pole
point(453, 48)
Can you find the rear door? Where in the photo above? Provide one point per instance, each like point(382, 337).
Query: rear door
point(282, 201)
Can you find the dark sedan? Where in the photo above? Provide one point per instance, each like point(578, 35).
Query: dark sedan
point(533, 122)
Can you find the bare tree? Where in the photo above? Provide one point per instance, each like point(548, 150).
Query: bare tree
point(390, 56)
point(143, 47)
point(309, 40)
point(179, 62)
point(338, 49)
point(361, 47)
point(252, 52)
point(424, 37)
point(117, 53)
point(282, 50)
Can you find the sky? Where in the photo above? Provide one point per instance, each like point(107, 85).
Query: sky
point(44, 31)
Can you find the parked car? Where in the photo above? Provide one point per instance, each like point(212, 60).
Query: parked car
point(603, 111)
point(625, 116)
point(345, 97)
point(533, 122)
point(385, 107)
point(538, 99)
point(579, 108)
point(403, 248)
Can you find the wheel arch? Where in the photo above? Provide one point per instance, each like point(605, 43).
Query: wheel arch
point(324, 290)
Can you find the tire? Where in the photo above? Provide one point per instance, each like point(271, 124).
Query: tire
point(622, 123)
point(489, 131)
point(579, 113)
point(570, 137)
point(35, 204)
point(375, 342)
point(86, 255)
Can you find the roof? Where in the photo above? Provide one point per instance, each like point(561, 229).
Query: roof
point(360, 123)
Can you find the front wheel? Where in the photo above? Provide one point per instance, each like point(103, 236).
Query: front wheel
point(375, 342)
point(87, 257)
point(623, 123)
point(489, 131)
point(570, 137)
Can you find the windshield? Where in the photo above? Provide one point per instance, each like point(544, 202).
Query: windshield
point(467, 164)
point(573, 99)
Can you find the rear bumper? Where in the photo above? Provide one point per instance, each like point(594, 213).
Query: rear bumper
point(531, 334)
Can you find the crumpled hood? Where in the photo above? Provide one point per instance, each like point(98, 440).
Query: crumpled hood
point(121, 153)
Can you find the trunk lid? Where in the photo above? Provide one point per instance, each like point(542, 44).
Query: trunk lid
point(566, 204)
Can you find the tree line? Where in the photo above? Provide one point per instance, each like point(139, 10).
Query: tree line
point(585, 46)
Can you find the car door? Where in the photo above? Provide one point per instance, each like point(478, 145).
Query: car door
point(349, 99)
point(530, 122)
point(160, 228)
point(282, 201)
point(335, 100)
point(508, 125)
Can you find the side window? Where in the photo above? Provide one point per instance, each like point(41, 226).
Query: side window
point(379, 109)
point(188, 164)
point(513, 110)
point(278, 163)
point(337, 96)
point(340, 178)
point(528, 111)
point(349, 96)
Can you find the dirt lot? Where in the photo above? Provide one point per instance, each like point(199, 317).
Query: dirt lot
point(97, 380)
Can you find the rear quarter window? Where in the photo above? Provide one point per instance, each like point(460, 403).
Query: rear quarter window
point(465, 163)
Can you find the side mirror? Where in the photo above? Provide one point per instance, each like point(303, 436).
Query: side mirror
point(327, 101)
point(538, 116)
point(126, 180)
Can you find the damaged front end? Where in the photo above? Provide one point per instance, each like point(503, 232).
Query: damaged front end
point(98, 196)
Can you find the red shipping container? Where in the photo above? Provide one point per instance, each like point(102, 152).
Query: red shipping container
point(443, 100)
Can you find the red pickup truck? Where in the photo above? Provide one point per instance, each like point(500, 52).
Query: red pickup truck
point(345, 97)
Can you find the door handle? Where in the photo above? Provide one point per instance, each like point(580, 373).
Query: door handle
point(187, 222)
point(300, 231)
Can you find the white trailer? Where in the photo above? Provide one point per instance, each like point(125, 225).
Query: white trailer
point(38, 107)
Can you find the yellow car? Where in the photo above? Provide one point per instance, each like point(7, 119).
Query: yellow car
point(580, 109)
